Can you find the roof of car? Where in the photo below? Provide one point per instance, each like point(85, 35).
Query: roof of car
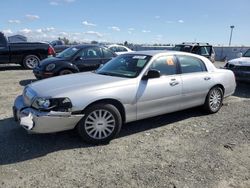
point(167, 52)
point(115, 45)
point(149, 52)
point(87, 45)
point(194, 44)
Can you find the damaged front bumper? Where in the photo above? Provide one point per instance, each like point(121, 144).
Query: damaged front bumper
point(36, 121)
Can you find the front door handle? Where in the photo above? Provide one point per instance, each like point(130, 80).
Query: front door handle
point(207, 78)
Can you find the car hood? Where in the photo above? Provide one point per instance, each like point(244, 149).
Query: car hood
point(50, 60)
point(87, 81)
point(242, 61)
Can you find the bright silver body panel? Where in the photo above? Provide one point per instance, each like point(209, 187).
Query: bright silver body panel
point(140, 98)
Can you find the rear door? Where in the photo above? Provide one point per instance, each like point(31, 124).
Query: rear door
point(4, 50)
point(160, 95)
point(196, 81)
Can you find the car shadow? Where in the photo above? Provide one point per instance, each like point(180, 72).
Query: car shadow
point(16, 145)
point(242, 90)
point(8, 67)
point(158, 121)
point(26, 82)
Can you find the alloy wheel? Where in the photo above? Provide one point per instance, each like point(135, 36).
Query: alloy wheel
point(100, 124)
point(215, 99)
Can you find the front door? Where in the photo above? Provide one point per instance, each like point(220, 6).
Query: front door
point(160, 95)
point(89, 59)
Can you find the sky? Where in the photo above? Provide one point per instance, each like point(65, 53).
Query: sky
point(135, 21)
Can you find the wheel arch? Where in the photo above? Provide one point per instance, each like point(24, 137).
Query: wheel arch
point(67, 65)
point(114, 102)
point(220, 86)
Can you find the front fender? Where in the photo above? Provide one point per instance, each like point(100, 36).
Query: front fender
point(66, 65)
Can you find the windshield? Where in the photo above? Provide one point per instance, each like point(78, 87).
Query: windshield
point(126, 65)
point(69, 52)
point(183, 48)
point(247, 54)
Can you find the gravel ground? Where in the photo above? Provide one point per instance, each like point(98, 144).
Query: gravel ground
point(183, 149)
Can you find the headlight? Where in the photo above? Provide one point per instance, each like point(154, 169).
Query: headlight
point(50, 67)
point(56, 104)
point(41, 103)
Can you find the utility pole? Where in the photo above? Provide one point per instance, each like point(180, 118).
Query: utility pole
point(231, 33)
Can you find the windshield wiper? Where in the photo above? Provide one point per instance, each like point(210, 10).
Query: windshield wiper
point(113, 74)
point(106, 73)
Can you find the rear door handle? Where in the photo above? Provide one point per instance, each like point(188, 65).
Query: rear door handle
point(207, 78)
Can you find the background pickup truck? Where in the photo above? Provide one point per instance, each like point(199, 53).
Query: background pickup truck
point(59, 45)
point(27, 54)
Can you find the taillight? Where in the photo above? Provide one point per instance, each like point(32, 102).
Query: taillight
point(51, 51)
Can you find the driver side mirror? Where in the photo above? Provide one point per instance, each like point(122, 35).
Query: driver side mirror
point(79, 58)
point(153, 73)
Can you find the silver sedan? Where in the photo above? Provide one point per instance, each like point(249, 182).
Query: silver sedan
point(130, 87)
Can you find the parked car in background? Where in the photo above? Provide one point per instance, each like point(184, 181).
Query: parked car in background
point(59, 45)
point(130, 87)
point(204, 49)
point(74, 59)
point(240, 66)
point(119, 49)
point(27, 54)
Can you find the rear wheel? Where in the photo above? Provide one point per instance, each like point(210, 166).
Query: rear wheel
point(101, 123)
point(65, 71)
point(214, 100)
point(30, 61)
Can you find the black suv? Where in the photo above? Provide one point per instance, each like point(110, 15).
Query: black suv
point(203, 49)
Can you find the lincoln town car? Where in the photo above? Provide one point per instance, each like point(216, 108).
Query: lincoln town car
point(128, 88)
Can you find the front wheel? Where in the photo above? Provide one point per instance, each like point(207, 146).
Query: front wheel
point(30, 61)
point(100, 124)
point(214, 100)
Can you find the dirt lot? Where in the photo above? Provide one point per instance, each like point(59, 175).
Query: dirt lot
point(183, 149)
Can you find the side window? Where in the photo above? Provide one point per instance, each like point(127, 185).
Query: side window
point(209, 50)
point(114, 49)
point(92, 53)
point(202, 50)
point(190, 64)
point(205, 50)
point(107, 53)
point(166, 65)
point(121, 49)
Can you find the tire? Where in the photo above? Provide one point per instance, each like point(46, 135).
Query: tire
point(100, 124)
point(214, 100)
point(65, 71)
point(30, 61)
